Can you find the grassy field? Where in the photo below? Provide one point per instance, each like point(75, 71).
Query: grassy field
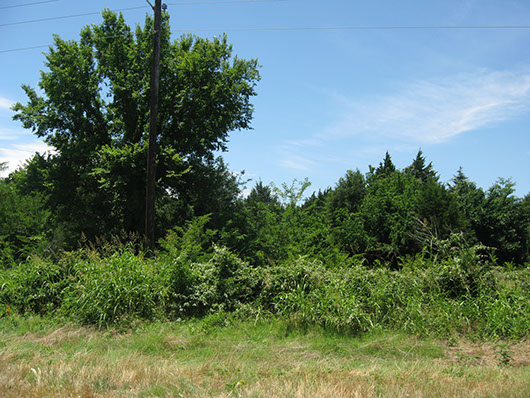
point(216, 357)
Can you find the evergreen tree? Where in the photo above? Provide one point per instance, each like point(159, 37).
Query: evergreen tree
point(348, 194)
point(420, 170)
point(504, 223)
point(469, 203)
point(386, 167)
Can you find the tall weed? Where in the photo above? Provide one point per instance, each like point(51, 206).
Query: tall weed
point(457, 290)
point(34, 286)
point(107, 290)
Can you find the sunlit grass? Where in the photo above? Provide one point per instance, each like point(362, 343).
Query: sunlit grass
point(268, 358)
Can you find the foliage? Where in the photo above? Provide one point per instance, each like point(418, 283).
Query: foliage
point(256, 229)
point(109, 290)
point(420, 170)
point(387, 213)
point(203, 277)
point(23, 224)
point(34, 286)
point(193, 242)
point(504, 224)
point(93, 111)
point(206, 188)
point(222, 283)
point(454, 289)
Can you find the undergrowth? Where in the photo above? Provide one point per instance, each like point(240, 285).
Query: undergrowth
point(461, 291)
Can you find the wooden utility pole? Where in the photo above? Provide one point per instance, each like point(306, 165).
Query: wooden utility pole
point(151, 152)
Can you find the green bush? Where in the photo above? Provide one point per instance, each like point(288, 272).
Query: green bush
point(455, 291)
point(194, 242)
point(34, 286)
point(121, 286)
point(222, 283)
point(437, 297)
point(506, 311)
point(282, 282)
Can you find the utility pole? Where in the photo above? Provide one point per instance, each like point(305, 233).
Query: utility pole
point(151, 151)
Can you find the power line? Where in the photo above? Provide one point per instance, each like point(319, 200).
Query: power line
point(223, 2)
point(47, 45)
point(11, 50)
point(186, 3)
point(28, 4)
point(306, 28)
point(67, 16)
point(294, 28)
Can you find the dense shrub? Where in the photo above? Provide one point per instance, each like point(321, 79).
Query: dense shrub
point(34, 286)
point(459, 290)
point(221, 283)
point(106, 290)
point(24, 224)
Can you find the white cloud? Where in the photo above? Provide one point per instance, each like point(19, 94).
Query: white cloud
point(435, 111)
point(418, 113)
point(5, 103)
point(297, 162)
point(8, 134)
point(17, 155)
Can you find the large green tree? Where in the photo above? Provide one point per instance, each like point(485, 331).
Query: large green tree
point(93, 108)
point(504, 223)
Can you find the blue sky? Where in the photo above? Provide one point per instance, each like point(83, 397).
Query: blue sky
point(334, 99)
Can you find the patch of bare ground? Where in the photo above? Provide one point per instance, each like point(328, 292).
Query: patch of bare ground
point(515, 354)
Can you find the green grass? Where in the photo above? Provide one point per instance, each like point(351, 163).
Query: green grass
point(200, 358)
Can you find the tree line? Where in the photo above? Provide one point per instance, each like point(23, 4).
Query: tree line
point(92, 105)
point(384, 216)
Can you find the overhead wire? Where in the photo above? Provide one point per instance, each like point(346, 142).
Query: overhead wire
point(182, 3)
point(97, 13)
point(294, 28)
point(22, 49)
point(265, 28)
point(48, 45)
point(211, 2)
point(67, 16)
point(315, 28)
point(28, 4)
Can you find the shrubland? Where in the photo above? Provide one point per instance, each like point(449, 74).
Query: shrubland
point(459, 290)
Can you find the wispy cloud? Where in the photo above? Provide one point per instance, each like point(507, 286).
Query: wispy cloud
point(296, 161)
point(428, 112)
point(8, 134)
point(6, 104)
point(415, 114)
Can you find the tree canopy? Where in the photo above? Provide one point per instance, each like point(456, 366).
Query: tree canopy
point(92, 107)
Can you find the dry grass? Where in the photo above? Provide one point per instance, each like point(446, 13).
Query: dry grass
point(517, 354)
point(252, 361)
